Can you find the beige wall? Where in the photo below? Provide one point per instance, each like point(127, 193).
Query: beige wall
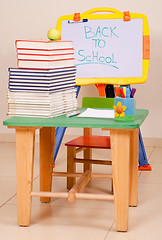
point(22, 19)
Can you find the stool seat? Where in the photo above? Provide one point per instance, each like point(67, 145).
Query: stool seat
point(102, 142)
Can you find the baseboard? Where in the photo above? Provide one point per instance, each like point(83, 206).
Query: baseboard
point(10, 137)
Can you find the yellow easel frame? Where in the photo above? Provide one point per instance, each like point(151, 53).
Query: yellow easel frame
point(117, 15)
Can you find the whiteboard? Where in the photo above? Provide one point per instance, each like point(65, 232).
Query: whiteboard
point(106, 48)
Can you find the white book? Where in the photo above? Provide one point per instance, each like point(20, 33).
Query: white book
point(41, 89)
point(39, 108)
point(52, 102)
point(42, 95)
point(40, 111)
point(38, 104)
point(34, 113)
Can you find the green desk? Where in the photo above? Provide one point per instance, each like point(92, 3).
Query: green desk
point(124, 148)
point(63, 121)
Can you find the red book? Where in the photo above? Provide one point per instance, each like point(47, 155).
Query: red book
point(44, 54)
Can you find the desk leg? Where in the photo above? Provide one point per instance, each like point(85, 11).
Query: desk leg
point(47, 143)
point(133, 177)
point(120, 148)
point(25, 142)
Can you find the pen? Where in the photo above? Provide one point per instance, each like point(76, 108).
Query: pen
point(124, 91)
point(121, 93)
point(116, 91)
point(132, 92)
point(127, 92)
point(83, 20)
point(72, 114)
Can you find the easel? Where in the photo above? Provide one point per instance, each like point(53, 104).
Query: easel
point(142, 157)
point(84, 39)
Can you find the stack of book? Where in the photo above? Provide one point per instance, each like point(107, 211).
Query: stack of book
point(44, 54)
point(43, 85)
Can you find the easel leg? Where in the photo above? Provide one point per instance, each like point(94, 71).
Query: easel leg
point(47, 142)
point(120, 143)
point(143, 162)
point(25, 143)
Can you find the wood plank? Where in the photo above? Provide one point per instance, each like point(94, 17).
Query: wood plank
point(47, 142)
point(101, 175)
point(71, 166)
point(23, 127)
point(79, 149)
point(50, 194)
point(92, 161)
point(79, 185)
point(87, 151)
point(25, 142)
point(91, 141)
point(87, 131)
point(133, 175)
point(120, 149)
point(93, 175)
point(92, 196)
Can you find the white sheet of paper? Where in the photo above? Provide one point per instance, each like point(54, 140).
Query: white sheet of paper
point(97, 113)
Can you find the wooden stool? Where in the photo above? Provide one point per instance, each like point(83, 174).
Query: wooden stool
point(86, 144)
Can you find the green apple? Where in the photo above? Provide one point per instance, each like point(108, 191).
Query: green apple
point(54, 34)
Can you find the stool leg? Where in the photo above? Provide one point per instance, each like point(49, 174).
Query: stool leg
point(112, 187)
point(25, 143)
point(88, 151)
point(71, 166)
point(47, 143)
point(88, 155)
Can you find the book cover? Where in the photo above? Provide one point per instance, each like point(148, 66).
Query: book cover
point(41, 80)
point(45, 52)
point(45, 57)
point(41, 72)
point(48, 45)
point(45, 95)
point(22, 77)
point(42, 64)
point(56, 106)
point(39, 88)
point(41, 83)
